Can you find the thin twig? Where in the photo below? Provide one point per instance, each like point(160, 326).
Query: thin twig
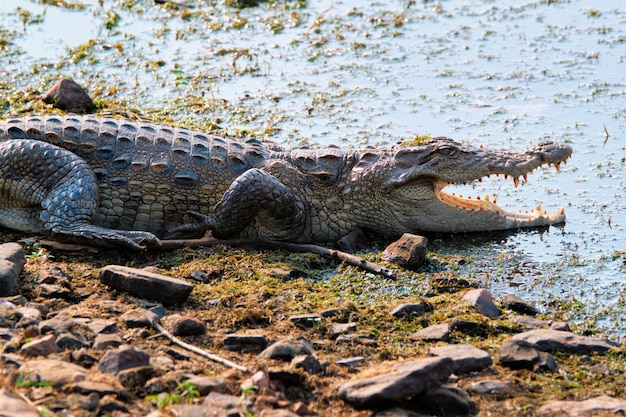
point(287, 246)
point(607, 135)
point(192, 348)
point(316, 22)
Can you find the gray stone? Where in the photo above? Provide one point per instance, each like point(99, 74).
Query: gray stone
point(397, 412)
point(102, 326)
point(245, 342)
point(521, 354)
point(599, 405)
point(446, 401)
point(397, 382)
point(351, 362)
point(482, 301)
point(359, 339)
point(136, 318)
point(106, 341)
point(60, 323)
point(186, 326)
point(531, 322)
point(51, 370)
point(410, 310)
point(71, 341)
point(125, 357)
point(562, 326)
point(555, 340)
point(308, 363)
point(12, 263)
point(43, 346)
point(87, 387)
point(434, 333)
point(495, 387)
point(287, 349)
point(144, 284)
point(305, 321)
point(12, 406)
point(217, 400)
point(133, 378)
point(342, 328)
point(514, 303)
point(466, 358)
point(409, 251)
point(205, 384)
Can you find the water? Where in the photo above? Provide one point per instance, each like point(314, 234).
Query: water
point(496, 73)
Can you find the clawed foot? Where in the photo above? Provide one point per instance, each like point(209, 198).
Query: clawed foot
point(191, 230)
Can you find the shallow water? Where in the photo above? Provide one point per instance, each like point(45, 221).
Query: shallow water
point(496, 73)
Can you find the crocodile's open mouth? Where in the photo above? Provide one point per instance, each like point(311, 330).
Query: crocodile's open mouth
point(487, 204)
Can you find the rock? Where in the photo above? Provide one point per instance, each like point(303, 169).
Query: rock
point(561, 326)
point(287, 349)
point(136, 318)
point(185, 326)
point(360, 339)
point(409, 251)
point(466, 358)
point(69, 96)
point(530, 322)
point(434, 333)
point(513, 302)
point(280, 412)
point(496, 387)
point(87, 387)
point(43, 346)
point(12, 406)
point(308, 363)
point(410, 310)
point(397, 382)
point(102, 326)
point(105, 341)
point(522, 354)
point(555, 340)
point(60, 323)
point(218, 401)
point(351, 362)
point(205, 384)
point(342, 328)
point(51, 370)
point(245, 342)
point(482, 301)
point(137, 377)
point(71, 341)
point(125, 357)
point(259, 379)
point(12, 263)
point(305, 321)
point(397, 412)
point(147, 285)
point(599, 405)
point(446, 401)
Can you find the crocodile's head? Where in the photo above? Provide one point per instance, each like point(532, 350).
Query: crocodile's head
point(415, 191)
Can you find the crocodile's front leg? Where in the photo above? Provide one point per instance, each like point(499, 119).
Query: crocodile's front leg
point(254, 198)
point(44, 188)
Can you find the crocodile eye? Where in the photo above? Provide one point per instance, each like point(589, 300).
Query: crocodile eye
point(445, 151)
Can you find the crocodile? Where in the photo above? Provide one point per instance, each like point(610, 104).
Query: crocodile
point(111, 182)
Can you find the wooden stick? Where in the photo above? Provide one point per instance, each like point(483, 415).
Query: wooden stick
point(287, 246)
point(154, 322)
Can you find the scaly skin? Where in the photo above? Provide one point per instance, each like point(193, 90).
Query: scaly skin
point(112, 182)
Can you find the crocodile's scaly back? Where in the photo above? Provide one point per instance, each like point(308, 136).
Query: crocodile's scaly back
point(148, 175)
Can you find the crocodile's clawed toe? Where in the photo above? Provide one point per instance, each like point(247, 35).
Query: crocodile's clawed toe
point(186, 231)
